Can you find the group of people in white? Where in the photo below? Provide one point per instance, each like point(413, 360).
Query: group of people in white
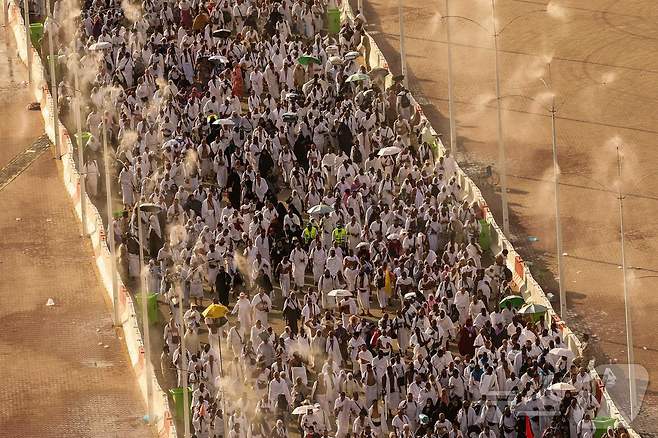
point(289, 182)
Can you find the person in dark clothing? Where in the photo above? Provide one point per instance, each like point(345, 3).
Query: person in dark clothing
point(234, 187)
point(223, 285)
point(345, 139)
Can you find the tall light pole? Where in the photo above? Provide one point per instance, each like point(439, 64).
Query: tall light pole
point(403, 53)
point(81, 146)
point(183, 360)
point(627, 300)
point(558, 223)
point(501, 144)
point(145, 208)
point(110, 223)
point(54, 91)
point(451, 109)
point(28, 40)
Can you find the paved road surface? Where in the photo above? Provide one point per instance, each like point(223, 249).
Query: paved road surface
point(604, 71)
point(59, 379)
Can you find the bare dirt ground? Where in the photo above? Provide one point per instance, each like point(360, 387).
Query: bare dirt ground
point(604, 73)
point(65, 372)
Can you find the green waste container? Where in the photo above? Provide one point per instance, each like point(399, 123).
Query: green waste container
point(36, 33)
point(333, 20)
point(151, 307)
point(177, 395)
point(602, 424)
point(485, 235)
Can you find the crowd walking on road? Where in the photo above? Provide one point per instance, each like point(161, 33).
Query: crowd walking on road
point(297, 188)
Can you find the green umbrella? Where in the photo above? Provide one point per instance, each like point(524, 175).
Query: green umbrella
point(357, 77)
point(532, 309)
point(514, 300)
point(308, 59)
point(118, 214)
point(86, 136)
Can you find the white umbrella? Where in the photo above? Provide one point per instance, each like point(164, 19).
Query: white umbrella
point(559, 352)
point(320, 209)
point(219, 58)
point(410, 296)
point(363, 245)
point(389, 150)
point(393, 236)
point(351, 55)
point(336, 60)
point(224, 122)
point(301, 410)
point(339, 293)
point(103, 45)
point(562, 386)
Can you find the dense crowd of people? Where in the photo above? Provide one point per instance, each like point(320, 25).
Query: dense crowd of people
point(287, 181)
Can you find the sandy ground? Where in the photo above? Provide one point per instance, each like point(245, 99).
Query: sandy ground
point(65, 371)
point(604, 73)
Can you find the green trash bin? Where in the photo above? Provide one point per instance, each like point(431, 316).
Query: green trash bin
point(333, 20)
point(602, 424)
point(485, 235)
point(151, 307)
point(177, 395)
point(36, 33)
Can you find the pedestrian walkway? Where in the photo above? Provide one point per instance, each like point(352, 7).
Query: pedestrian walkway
point(65, 371)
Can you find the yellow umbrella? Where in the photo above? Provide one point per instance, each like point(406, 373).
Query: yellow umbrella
point(215, 311)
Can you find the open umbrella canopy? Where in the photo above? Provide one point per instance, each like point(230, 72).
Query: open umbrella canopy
point(336, 60)
point(410, 296)
point(562, 386)
point(532, 309)
point(308, 60)
point(289, 117)
point(357, 77)
point(389, 150)
point(514, 300)
point(304, 409)
point(218, 59)
point(339, 293)
point(149, 207)
point(320, 209)
point(221, 33)
point(352, 55)
point(215, 311)
point(223, 122)
point(103, 45)
point(363, 245)
point(561, 352)
point(86, 136)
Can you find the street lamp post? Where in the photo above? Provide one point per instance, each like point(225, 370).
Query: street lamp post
point(53, 91)
point(501, 145)
point(403, 54)
point(110, 224)
point(183, 360)
point(146, 208)
point(451, 109)
point(81, 146)
point(558, 223)
point(28, 40)
point(627, 301)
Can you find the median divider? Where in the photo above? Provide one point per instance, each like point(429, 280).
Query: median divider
point(160, 410)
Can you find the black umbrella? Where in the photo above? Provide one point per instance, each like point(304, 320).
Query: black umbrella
point(221, 33)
